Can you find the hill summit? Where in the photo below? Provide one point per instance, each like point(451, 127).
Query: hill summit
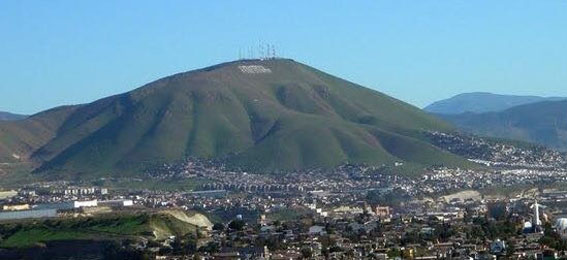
point(267, 115)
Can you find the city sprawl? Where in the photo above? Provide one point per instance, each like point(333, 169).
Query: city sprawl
point(512, 205)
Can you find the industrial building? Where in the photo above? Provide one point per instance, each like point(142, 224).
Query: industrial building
point(67, 205)
point(15, 207)
point(24, 214)
point(116, 203)
point(7, 194)
point(23, 211)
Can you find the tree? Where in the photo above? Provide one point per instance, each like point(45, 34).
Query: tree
point(237, 225)
point(211, 247)
point(218, 227)
point(306, 253)
point(392, 199)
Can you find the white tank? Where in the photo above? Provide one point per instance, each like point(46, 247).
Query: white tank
point(561, 227)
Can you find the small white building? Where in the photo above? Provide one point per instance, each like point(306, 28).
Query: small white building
point(84, 204)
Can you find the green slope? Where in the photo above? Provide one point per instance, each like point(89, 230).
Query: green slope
point(19, 139)
point(543, 123)
point(156, 226)
point(294, 117)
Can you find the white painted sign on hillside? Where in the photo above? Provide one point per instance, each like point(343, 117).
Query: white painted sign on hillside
point(254, 69)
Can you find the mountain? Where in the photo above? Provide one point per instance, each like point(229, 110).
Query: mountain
point(542, 123)
point(267, 115)
point(6, 116)
point(480, 102)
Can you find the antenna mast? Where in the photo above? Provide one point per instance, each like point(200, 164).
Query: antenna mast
point(261, 49)
point(273, 51)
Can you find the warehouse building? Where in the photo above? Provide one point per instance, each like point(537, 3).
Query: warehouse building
point(116, 203)
point(24, 214)
point(15, 207)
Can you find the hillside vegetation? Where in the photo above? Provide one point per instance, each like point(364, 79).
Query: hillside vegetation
point(19, 139)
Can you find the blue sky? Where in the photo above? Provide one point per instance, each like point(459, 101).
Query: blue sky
point(68, 52)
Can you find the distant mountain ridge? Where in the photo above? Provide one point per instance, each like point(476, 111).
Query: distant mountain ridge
point(543, 123)
point(266, 115)
point(7, 116)
point(482, 102)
